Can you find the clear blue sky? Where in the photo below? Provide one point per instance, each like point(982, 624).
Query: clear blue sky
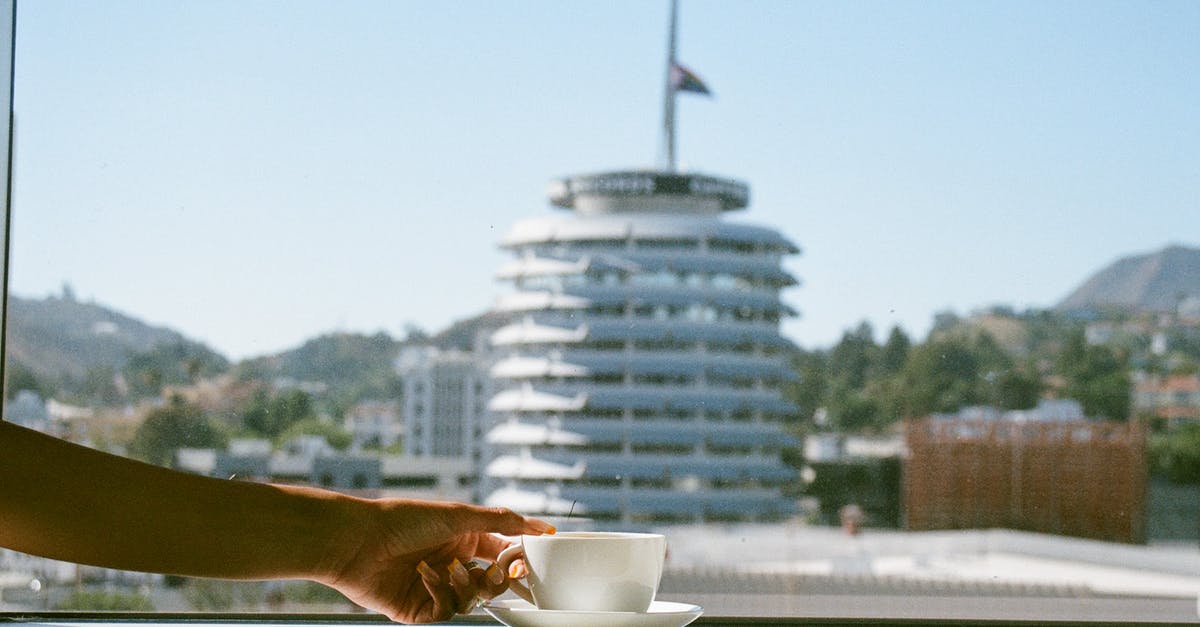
point(255, 173)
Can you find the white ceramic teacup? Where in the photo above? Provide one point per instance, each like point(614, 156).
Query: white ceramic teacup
point(589, 571)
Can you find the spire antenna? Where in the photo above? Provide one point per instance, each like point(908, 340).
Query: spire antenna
point(669, 92)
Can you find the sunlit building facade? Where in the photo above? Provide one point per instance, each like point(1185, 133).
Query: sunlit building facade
point(444, 396)
point(638, 372)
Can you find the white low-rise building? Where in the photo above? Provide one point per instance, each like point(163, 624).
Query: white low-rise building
point(444, 399)
point(374, 424)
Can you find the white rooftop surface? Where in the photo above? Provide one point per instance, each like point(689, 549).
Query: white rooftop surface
point(1012, 567)
point(985, 556)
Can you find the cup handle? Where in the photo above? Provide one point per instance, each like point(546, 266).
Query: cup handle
point(506, 558)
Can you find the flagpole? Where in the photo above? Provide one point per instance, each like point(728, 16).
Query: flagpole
point(669, 93)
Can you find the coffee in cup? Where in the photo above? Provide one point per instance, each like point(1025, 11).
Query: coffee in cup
point(589, 571)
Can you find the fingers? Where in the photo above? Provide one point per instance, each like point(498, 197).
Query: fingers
point(518, 569)
point(499, 520)
point(464, 587)
point(490, 546)
point(444, 603)
point(457, 591)
point(489, 582)
point(494, 582)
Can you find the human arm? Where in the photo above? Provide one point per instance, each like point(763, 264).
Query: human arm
point(72, 503)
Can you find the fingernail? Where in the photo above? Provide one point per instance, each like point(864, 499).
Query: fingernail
point(458, 573)
point(428, 573)
point(541, 526)
point(494, 575)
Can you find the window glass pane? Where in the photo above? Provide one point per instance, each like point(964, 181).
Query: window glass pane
point(306, 243)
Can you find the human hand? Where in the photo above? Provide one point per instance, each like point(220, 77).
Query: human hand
point(412, 560)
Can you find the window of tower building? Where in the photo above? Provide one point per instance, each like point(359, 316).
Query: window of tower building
point(606, 345)
point(663, 344)
point(724, 281)
point(661, 278)
point(545, 283)
point(663, 449)
point(731, 246)
point(882, 313)
point(604, 413)
point(607, 310)
point(663, 379)
point(728, 449)
point(591, 245)
point(736, 381)
point(670, 244)
point(603, 447)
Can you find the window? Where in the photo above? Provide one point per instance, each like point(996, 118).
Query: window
point(731, 246)
point(663, 449)
point(598, 244)
point(665, 244)
point(287, 215)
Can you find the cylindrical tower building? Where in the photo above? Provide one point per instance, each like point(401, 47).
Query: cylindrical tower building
point(639, 368)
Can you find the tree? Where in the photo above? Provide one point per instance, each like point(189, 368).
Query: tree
point(1017, 389)
point(811, 388)
point(105, 602)
point(939, 377)
point(851, 360)
point(852, 410)
point(171, 363)
point(18, 377)
point(1106, 396)
point(1097, 377)
point(950, 372)
point(176, 425)
point(895, 352)
point(209, 595)
point(100, 385)
point(269, 416)
point(336, 436)
point(309, 592)
point(1176, 455)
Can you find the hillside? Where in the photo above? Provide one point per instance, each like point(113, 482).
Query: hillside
point(91, 353)
point(463, 334)
point(350, 366)
point(63, 341)
point(1154, 282)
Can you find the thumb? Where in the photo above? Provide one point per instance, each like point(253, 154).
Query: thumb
point(498, 520)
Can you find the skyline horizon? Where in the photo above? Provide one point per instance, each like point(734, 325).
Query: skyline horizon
point(68, 290)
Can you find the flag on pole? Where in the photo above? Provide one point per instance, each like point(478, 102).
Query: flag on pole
point(683, 79)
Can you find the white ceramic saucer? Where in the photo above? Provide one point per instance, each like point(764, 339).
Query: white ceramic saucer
point(521, 613)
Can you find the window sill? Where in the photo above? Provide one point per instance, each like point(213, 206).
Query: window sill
point(741, 609)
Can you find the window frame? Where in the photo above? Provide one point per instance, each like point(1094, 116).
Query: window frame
point(192, 619)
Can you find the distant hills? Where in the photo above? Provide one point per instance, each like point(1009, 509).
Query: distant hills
point(61, 339)
point(348, 366)
point(87, 352)
point(82, 347)
point(1153, 282)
